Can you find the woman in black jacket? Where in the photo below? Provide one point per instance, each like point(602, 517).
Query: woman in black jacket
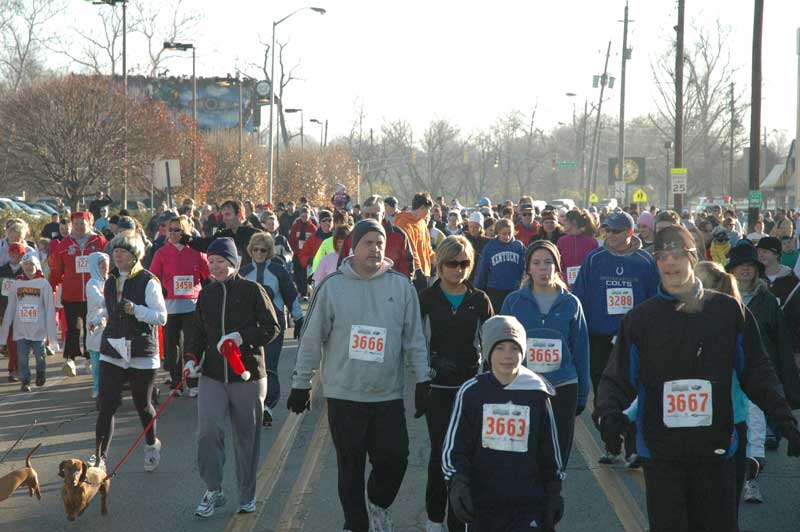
point(452, 313)
point(232, 308)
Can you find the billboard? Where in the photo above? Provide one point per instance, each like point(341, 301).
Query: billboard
point(217, 99)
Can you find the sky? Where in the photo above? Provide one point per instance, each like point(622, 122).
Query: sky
point(470, 62)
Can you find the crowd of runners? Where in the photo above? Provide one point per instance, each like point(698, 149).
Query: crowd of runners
point(678, 332)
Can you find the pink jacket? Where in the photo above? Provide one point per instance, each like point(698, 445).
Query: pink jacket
point(573, 250)
point(180, 271)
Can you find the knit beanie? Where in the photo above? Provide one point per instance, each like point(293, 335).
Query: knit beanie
point(546, 245)
point(646, 219)
point(499, 329)
point(225, 248)
point(363, 227)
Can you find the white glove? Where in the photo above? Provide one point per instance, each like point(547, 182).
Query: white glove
point(235, 336)
point(191, 367)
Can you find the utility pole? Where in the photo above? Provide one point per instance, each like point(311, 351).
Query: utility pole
point(755, 113)
point(621, 146)
point(678, 198)
point(583, 142)
point(596, 139)
point(797, 132)
point(733, 133)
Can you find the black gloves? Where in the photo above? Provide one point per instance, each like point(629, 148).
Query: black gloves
point(299, 400)
point(553, 506)
point(612, 426)
point(579, 410)
point(421, 395)
point(298, 327)
point(792, 435)
point(444, 366)
point(461, 498)
point(185, 239)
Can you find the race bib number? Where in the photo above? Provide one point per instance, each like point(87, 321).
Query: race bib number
point(506, 427)
point(7, 286)
point(367, 343)
point(544, 354)
point(82, 264)
point(28, 313)
point(619, 300)
point(572, 274)
point(687, 403)
point(183, 285)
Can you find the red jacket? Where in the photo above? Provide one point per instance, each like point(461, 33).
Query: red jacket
point(398, 249)
point(524, 234)
point(299, 233)
point(169, 263)
point(306, 255)
point(63, 266)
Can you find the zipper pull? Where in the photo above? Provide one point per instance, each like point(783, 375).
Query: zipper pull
point(699, 350)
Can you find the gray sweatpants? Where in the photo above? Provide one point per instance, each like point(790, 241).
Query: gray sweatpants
point(243, 403)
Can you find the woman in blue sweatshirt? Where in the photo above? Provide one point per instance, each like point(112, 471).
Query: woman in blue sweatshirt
point(557, 336)
point(501, 264)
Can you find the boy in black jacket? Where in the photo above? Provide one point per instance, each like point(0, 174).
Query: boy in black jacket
point(501, 456)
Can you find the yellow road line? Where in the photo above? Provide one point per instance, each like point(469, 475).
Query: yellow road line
point(270, 471)
point(292, 517)
point(628, 512)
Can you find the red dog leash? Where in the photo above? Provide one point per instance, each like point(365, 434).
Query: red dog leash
point(139, 439)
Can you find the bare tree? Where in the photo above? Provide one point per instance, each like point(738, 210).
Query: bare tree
point(284, 78)
point(24, 35)
point(159, 21)
point(442, 152)
point(98, 49)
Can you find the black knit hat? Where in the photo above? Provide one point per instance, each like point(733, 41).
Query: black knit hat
point(546, 245)
point(362, 228)
point(743, 253)
point(770, 243)
point(225, 248)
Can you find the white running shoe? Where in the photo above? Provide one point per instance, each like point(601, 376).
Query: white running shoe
point(192, 392)
point(210, 500)
point(69, 368)
point(379, 518)
point(152, 456)
point(752, 493)
point(93, 462)
point(430, 526)
point(247, 507)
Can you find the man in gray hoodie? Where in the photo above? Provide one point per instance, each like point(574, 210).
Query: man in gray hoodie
point(362, 326)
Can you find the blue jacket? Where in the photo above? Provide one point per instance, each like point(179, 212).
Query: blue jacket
point(602, 272)
point(564, 322)
point(278, 284)
point(501, 265)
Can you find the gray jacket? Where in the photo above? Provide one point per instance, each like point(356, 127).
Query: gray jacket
point(360, 332)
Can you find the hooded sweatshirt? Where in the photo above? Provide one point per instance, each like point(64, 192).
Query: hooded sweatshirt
point(610, 284)
point(30, 309)
point(562, 329)
point(501, 265)
point(362, 333)
point(96, 313)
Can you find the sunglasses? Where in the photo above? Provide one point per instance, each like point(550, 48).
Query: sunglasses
point(175, 230)
point(676, 254)
point(260, 250)
point(373, 215)
point(463, 264)
point(527, 214)
point(616, 231)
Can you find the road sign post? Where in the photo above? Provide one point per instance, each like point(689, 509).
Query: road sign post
point(640, 196)
point(679, 180)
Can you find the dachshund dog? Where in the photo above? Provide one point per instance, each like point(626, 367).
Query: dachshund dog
point(81, 484)
point(25, 477)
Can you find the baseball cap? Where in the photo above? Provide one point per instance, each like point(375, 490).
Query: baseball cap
point(619, 221)
point(476, 217)
point(484, 202)
point(391, 201)
point(770, 243)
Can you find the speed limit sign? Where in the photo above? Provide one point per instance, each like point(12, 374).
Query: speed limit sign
point(679, 180)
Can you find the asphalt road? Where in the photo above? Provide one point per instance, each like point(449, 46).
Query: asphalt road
point(297, 477)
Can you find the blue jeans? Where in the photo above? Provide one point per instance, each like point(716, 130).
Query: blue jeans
point(23, 349)
point(273, 355)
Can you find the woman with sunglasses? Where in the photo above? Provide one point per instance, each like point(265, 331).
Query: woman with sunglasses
point(277, 282)
point(452, 313)
point(557, 336)
point(180, 270)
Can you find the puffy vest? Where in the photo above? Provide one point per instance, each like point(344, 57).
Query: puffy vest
point(143, 336)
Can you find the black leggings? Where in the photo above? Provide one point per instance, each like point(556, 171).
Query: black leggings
point(565, 404)
point(75, 314)
point(176, 323)
point(111, 380)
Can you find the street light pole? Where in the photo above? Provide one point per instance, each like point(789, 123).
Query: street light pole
point(321, 130)
point(678, 198)
point(621, 146)
point(271, 148)
point(182, 47)
point(298, 110)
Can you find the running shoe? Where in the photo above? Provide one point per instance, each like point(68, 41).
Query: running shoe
point(25, 387)
point(93, 462)
point(12, 377)
point(379, 518)
point(69, 368)
point(634, 461)
point(210, 500)
point(771, 442)
point(752, 493)
point(192, 392)
point(40, 379)
point(266, 420)
point(608, 458)
point(247, 507)
point(152, 456)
